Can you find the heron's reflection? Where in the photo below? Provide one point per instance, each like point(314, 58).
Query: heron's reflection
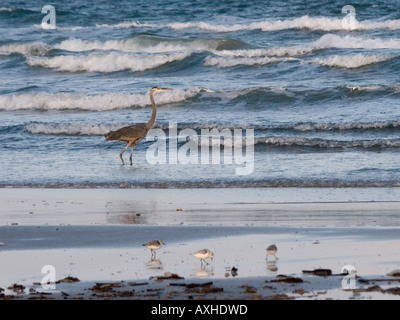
point(154, 264)
point(204, 272)
point(271, 266)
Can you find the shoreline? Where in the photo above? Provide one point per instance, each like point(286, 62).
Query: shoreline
point(224, 207)
point(96, 236)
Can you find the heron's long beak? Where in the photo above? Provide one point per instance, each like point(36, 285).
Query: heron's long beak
point(166, 89)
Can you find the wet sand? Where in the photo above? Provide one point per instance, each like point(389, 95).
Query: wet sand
point(96, 237)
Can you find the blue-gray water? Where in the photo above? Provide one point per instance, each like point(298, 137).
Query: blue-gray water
point(320, 89)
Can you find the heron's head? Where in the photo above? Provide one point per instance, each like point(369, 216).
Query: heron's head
point(157, 89)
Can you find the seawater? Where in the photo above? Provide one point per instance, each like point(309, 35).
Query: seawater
point(319, 87)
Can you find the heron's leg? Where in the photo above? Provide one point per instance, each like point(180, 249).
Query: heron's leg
point(130, 158)
point(120, 155)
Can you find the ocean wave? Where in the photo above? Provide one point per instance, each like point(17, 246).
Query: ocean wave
point(100, 102)
point(127, 24)
point(8, 9)
point(74, 129)
point(150, 44)
point(224, 47)
point(86, 129)
point(353, 61)
point(106, 62)
point(121, 25)
point(101, 129)
point(224, 62)
point(274, 52)
point(31, 49)
point(215, 133)
point(328, 144)
point(230, 58)
point(362, 126)
point(387, 89)
point(74, 28)
point(19, 10)
point(306, 95)
point(296, 126)
point(304, 22)
point(353, 42)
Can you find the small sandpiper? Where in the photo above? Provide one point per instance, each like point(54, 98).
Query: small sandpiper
point(154, 245)
point(203, 254)
point(271, 250)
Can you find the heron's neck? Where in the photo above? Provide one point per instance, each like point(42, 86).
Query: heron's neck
point(152, 120)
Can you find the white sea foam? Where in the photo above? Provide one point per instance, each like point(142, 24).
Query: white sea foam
point(146, 44)
point(321, 143)
point(105, 62)
point(311, 126)
point(101, 102)
point(374, 88)
point(336, 41)
point(127, 24)
point(225, 62)
point(129, 45)
point(72, 128)
point(75, 28)
point(275, 52)
point(304, 22)
point(137, 44)
point(353, 61)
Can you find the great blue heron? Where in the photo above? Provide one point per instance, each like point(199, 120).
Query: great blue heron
point(133, 134)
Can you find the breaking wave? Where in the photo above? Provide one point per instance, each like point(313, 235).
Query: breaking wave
point(353, 61)
point(232, 62)
point(327, 144)
point(304, 22)
point(75, 129)
point(151, 44)
point(100, 102)
point(32, 48)
point(353, 42)
point(105, 62)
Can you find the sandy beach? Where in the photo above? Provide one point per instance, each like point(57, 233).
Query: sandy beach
point(92, 239)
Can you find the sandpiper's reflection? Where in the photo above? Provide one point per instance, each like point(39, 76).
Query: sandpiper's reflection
point(154, 264)
point(204, 272)
point(271, 266)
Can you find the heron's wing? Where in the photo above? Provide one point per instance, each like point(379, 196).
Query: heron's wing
point(130, 133)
